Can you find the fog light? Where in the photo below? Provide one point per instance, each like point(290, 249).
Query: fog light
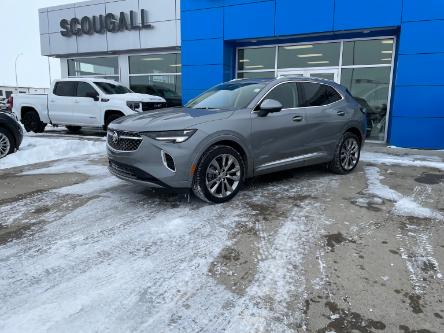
point(168, 161)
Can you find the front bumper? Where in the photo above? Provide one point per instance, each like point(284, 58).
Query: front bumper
point(146, 164)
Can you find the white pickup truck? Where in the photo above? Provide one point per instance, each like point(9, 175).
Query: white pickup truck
point(80, 102)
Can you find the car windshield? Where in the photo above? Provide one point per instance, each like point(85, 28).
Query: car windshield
point(232, 95)
point(112, 89)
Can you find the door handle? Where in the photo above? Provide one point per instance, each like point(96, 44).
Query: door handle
point(298, 118)
point(341, 113)
point(76, 101)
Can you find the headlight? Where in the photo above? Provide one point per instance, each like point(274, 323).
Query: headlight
point(171, 136)
point(135, 106)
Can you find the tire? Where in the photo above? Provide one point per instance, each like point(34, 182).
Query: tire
point(73, 129)
point(32, 122)
point(109, 119)
point(212, 171)
point(347, 154)
point(7, 145)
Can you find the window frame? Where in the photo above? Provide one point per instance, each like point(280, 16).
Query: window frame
point(117, 75)
point(256, 108)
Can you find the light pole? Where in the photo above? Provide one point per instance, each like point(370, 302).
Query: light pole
point(16, 78)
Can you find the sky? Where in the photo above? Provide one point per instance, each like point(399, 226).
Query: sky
point(20, 34)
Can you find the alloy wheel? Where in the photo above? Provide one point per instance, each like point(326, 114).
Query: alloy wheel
point(349, 153)
point(5, 145)
point(223, 175)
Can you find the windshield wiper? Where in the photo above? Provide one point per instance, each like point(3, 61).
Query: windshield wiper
point(205, 108)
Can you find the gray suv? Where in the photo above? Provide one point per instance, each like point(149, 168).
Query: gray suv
point(238, 130)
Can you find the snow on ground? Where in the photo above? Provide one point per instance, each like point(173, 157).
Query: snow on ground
point(130, 261)
point(404, 206)
point(36, 150)
point(404, 160)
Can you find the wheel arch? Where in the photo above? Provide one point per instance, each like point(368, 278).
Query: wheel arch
point(354, 130)
point(230, 141)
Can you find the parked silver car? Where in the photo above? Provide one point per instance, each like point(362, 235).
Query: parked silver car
point(238, 130)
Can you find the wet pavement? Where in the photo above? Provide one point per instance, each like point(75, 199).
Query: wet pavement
point(298, 251)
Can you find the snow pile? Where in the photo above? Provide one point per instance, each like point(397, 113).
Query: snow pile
point(37, 150)
point(404, 206)
point(405, 160)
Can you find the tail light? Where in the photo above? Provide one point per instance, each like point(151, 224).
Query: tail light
point(10, 103)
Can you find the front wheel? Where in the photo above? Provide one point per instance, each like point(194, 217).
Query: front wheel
point(6, 143)
point(347, 154)
point(219, 175)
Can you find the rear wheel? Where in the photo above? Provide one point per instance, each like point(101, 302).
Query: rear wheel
point(347, 154)
point(73, 129)
point(110, 118)
point(32, 122)
point(219, 175)
point(6, 143)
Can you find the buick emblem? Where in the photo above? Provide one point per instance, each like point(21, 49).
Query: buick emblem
point(115, 138)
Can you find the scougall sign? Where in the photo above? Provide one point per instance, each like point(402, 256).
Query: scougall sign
point(101, 23)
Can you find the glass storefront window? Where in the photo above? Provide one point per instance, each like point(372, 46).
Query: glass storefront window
point(259, 58)
point(368, 52)
point(102, 66)
point(155, 64)
point(159, 75)
point(370, 86)
point(309, 55)
point(166, 86)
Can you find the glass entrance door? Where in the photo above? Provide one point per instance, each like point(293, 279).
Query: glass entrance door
point(328, 74)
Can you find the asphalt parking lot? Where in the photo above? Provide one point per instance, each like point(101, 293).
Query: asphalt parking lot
point(299, 251)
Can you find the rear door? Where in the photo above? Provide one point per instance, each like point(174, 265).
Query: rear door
point(86, 110)
point(61, 102)
point(327, 115)
point(279, 140)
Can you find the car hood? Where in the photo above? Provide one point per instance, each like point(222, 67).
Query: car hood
point(135, 97)
point(168, 119)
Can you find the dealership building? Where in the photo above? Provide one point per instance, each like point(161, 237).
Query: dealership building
point(388, 53)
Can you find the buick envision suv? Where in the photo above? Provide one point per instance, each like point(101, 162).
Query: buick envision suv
point(238, 130)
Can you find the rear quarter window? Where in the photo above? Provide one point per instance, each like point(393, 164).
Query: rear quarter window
point(316, 94)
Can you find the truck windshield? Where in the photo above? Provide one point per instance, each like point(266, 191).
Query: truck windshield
point(112, 89)
point(232, 95)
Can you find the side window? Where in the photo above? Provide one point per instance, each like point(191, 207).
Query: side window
point(65, 88)
point(316, 94)
point(286, 94)
point(83, 89)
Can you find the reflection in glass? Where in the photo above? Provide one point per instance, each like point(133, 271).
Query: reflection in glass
point(93, 66)
point(368, 52)
point(167, 86)
point(155, 64)
point(256, 58)
point(255, 75)
point(309, 55)
point(370, 86)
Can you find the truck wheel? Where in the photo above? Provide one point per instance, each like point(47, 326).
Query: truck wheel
point(6, 143)
point(73, 129)
point(219, 175)
point(347, 154)
point(110, 118)
point(32, 122)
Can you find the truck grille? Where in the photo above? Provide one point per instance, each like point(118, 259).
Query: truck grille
point(148, 106)
point(123, 141)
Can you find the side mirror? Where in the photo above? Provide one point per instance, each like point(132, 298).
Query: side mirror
point(269, 106)
point(94, 96)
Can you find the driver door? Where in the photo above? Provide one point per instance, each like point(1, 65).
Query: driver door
point(279, 140)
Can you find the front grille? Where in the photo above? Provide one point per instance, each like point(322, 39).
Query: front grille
point(124, 141)
point(148, 106)
point(131, 172)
